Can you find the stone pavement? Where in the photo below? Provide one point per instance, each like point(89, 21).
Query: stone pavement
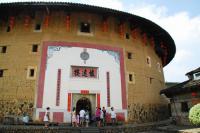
point(179, 129)
point(154, 127)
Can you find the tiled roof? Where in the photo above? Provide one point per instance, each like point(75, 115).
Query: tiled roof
point(193, 71)
point(184, 87)
point(192, 83)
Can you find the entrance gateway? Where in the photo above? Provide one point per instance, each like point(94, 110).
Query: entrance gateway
point(84, 101)
point(95, 81)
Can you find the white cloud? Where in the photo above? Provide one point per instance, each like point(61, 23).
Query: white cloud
point(182, 56)
point(185, 31)
point(149, 11)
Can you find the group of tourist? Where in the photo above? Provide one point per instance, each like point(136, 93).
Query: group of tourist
point(82, 118)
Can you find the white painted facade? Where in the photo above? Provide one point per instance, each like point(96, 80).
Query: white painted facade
point(64, 58)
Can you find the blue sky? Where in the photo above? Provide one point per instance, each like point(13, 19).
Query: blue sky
point(174, 6)
point(181, 18)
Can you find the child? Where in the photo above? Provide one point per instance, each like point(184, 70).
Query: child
point(74, 121)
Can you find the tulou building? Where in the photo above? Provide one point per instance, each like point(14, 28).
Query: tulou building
point(65, 55)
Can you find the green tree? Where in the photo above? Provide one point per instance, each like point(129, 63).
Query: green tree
point(194, 114)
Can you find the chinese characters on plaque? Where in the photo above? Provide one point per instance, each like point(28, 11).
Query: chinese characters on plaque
point(84, 72)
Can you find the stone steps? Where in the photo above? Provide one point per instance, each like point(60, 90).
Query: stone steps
point(90, 130)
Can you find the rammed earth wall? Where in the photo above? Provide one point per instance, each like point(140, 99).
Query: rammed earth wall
point(140, 113)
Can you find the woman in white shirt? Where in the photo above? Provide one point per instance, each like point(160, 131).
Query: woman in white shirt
point(113, 116)
point(46, 117)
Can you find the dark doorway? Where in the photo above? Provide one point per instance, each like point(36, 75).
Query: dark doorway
point(83, 103)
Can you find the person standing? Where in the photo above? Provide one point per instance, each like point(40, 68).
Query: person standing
point(98, 114)
point(74, 121)
point(47, 117)
point(101, 117)
point(113, 116)
point(77, 120)
point(87, 118)
point(104, 116)
point(82, 117)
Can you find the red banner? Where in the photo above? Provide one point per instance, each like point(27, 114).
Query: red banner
point(84, 91)
point(69, 102)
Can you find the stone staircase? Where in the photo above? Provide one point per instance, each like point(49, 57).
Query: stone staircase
point(90, 130)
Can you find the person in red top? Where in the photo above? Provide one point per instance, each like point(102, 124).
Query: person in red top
point(98, 114)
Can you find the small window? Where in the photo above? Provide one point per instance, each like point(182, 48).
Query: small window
point(127, 36)
point(38, 27)
point(85, 27)
point(184, 107)
point(130, 77)
point(35, 48)
point(129, 55)
point(1, 72)
point(31, 73)
point(3, 49)
point(150, 80)
point(8, 29)
point(159, 67)
point(197, 76)
point(148, 60)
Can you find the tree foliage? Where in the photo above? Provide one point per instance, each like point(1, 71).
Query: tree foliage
point(194, 114)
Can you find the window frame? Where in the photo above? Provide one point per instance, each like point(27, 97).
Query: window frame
point(196, 76)
point(33, 49)
point(159, 67)
point(129, 55)
point(127, 36)
point(8, 28)
point(148, 61)
point(35, 27)
point(28, 76)
point(3, 51)
point(1, 73)
point(85, 27)
point(91, 33)
point(132, 75)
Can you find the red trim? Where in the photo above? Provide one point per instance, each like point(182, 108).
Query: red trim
point(58, 88)
point(83, 45)
point(68, 22)
point(85, 92)
point(58, 117)
point(108, 88)
point(69, 102)
point(194, 94)
point(98, 100)
point(123, 85)
point(41, 77)
point(120, 116)
point(41, 116)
